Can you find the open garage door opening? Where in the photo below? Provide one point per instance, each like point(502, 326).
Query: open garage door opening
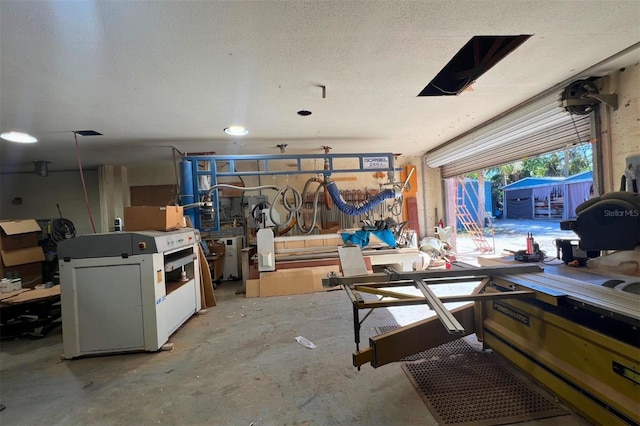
point(495, 210)
point(521, 174)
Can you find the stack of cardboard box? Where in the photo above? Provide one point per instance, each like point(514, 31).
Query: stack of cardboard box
point(21, 257)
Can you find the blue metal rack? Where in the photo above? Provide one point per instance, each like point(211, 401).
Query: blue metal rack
point(190, 191)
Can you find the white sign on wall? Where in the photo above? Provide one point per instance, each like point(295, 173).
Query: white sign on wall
point(375, 163)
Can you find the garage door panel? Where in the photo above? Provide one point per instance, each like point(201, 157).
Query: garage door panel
point(541, 127)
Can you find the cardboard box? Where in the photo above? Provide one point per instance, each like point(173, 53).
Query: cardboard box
point(8, 286)
point(17, 234)
point(25, 263)
point(153, 218)
point(216, 247)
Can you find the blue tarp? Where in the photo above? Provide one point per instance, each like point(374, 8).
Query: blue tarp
point(361, 238)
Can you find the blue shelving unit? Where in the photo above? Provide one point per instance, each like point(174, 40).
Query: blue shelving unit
point(191, 192)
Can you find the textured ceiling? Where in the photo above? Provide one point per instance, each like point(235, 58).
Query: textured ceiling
point(151, 75)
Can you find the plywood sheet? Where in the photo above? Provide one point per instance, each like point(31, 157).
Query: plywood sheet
point(253, 288)
point(205, 280)
point(286, 282)
point(10, 294)
point(412, 211)
point(34, 295)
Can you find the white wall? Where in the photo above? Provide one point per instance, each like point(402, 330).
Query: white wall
point(156, 173)
point(114, 195)
point(432, 182)
point(41, 194)
point(625, 121)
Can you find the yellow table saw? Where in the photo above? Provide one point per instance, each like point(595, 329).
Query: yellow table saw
point(579, 340)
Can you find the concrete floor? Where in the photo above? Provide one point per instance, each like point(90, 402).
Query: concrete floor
point(239, 364)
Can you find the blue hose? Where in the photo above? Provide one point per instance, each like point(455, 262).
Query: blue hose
point(357, 209)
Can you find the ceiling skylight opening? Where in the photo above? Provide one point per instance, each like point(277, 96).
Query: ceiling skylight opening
point(87, 133)
point(475, 58)
point(18, 137)
point(236, 131)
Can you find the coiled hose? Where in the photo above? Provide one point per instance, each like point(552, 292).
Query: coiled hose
point(62, 229)
point(354, 210)
point(294, 210)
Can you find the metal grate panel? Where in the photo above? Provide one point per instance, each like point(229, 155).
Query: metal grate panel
point(462, 386)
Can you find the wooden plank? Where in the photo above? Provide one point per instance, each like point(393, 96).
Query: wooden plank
point(314, 243)
point(205, 280)
point(305, 250)
point(416, 337)
point(253, 288)
point(412, 211)
point(294, 244)
point(344, 178)
point(203, 303)
point(411, 191)
point(10, 294)
point(286, 282)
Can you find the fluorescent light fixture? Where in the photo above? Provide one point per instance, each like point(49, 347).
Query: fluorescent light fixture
point(18, 137)
point(236, 131)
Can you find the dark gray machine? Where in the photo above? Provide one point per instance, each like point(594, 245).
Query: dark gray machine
point(608, 222)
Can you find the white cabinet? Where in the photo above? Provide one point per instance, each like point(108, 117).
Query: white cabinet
point(128, 302)
point(232, 265)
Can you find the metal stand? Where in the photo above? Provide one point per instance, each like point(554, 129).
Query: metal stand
point(210, 167)
point(456, 323)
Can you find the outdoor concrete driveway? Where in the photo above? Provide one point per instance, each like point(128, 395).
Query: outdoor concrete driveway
point(511, 234)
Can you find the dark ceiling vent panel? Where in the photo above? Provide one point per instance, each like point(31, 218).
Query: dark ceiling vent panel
point(87, 133)
point(479, 55)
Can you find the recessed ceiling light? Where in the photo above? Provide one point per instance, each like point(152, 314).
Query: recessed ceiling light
point(18, 137)
point(236, 131)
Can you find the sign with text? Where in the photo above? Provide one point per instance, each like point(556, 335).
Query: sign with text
point(375, 163)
